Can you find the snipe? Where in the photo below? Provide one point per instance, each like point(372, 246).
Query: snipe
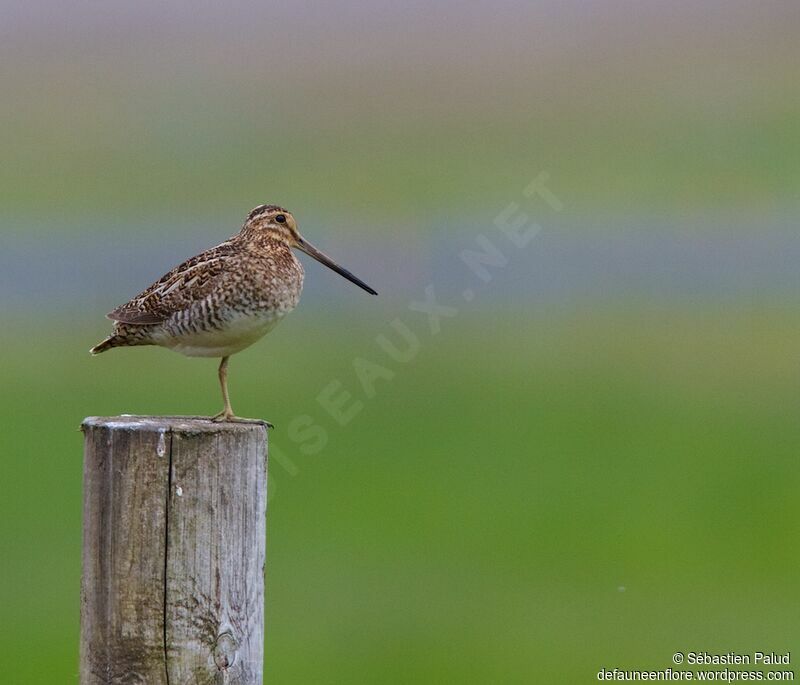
point(224, 299)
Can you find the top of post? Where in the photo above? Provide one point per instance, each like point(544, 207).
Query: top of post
point(175, 424)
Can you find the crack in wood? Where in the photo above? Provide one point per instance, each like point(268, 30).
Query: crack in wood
point(166, 546)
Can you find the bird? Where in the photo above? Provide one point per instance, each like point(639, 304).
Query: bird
point(224, 299)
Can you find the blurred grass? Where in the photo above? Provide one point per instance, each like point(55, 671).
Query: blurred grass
point(477, 520)
point(673, 161)
point(198, 113)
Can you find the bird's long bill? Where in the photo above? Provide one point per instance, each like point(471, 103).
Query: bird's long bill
point(321, 257)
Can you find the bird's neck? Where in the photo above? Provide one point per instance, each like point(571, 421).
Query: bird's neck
point(261, 242)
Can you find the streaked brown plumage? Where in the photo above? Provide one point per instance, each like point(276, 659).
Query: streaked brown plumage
point(224, 299)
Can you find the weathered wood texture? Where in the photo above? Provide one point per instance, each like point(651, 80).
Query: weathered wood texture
point(174, 541)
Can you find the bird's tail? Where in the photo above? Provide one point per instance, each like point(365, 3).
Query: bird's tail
point(107, 344)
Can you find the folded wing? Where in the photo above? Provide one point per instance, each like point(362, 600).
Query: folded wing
point(177, 290)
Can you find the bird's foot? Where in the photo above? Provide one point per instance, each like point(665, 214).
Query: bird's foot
point(229, 417)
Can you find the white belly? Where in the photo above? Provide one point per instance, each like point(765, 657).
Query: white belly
point(238, 333)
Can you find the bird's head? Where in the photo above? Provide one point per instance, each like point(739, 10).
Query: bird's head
point(274, 223)
point(277, 224)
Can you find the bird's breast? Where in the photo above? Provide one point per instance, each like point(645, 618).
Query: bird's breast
point(276, 282)
point(246, 305)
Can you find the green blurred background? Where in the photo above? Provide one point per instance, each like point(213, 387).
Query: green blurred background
point(593, 463)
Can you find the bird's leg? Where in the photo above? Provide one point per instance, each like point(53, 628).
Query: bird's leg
point(227, 413)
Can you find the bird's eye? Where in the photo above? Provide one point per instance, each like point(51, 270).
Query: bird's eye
point(281, 218)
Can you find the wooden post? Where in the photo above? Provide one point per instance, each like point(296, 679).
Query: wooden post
point(174, 540)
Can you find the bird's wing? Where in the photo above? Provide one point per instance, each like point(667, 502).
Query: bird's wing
point(178, 289)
